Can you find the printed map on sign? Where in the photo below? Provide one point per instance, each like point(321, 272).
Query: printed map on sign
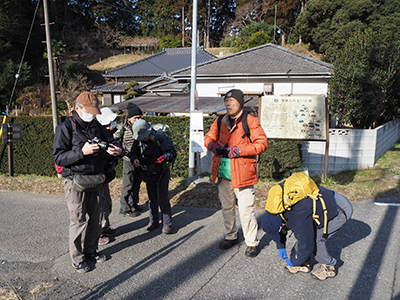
point(294, 117)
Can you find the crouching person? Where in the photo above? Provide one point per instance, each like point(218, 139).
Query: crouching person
point(311, 240)
point(153, 152)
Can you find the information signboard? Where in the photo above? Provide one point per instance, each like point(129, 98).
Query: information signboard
point(298, 117)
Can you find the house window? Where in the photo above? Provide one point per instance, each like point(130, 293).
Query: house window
point(117, 98)
point(268, 88)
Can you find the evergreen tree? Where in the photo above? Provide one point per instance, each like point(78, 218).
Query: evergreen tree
point(326, 25)
point(365, 88)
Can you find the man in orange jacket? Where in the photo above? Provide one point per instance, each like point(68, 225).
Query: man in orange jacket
point(234, 169)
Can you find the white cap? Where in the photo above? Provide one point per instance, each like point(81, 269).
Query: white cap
point(106, 117)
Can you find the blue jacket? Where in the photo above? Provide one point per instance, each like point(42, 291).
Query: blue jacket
point(69, 138)
point(300, 221)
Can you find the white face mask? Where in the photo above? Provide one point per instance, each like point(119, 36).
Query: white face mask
point(87, 117)
point(113, 124)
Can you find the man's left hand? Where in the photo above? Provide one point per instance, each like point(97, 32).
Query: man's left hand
point(114, 150)
point(232, 152)
point(289, 263)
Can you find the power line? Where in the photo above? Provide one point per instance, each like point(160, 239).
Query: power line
point(23, 55)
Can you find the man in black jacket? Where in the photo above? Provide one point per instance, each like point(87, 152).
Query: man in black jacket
point(83, 147)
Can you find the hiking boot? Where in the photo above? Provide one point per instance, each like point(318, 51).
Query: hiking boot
point(227, 244)
point(137, 207)
point(167, 229)
point(110, 232)
point(131, 214)
point(81, 267)
point(324, 271)
point(96, 256)
point(251, 251)
point(152, 226)
point(305, 268)
point(103, 240)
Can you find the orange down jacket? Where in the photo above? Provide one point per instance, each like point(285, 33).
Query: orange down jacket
point(243, 168)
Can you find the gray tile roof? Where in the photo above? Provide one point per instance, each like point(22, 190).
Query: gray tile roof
point(111, 87)
point(266, 60)
point(180, 104)
point(167, 61)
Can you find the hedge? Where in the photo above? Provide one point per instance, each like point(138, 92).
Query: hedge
point(33, 155)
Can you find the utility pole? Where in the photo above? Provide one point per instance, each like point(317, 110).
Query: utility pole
point(183, 26)
point(275, 26)
point(193, 83)
point(50, 63)
point(208, 26)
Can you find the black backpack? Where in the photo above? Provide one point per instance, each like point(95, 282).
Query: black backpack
point(244, 123)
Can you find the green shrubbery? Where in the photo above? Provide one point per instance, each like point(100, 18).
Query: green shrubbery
point(33, 155)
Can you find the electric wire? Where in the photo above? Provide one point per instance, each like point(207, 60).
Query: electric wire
point(23, 55)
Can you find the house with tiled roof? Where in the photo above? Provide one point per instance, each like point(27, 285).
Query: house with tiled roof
point(152, 68)
point(263, 70)
point(266, 69)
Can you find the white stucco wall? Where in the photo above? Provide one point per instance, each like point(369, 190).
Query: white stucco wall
point(350, 149)
point(281, 86)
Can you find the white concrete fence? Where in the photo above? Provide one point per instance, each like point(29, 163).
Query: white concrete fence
point(350, 149)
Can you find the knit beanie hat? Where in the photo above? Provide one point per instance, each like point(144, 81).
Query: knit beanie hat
point(237, 94)
point(134, 110)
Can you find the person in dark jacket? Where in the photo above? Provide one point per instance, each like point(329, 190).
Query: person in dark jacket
point(78, 149)
point(131, 176)
point(153, 151)
point(311, 241)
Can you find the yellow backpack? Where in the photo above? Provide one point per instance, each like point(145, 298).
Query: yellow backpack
point(283, 196)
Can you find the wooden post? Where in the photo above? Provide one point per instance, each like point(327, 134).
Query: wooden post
point(10, 150)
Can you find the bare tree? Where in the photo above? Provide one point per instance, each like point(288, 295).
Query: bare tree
point(32, 101)
point(149, 42)
point(70, 91)
point(253, 12)
point(112, 37)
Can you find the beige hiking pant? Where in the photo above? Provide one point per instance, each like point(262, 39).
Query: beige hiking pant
point(245, 199)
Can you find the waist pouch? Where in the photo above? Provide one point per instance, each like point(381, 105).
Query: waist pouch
point(110, 175)
point(224, 170)
point(87, 183)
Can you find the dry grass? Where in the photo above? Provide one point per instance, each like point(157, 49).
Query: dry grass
point(116, 61)
point(381, 181)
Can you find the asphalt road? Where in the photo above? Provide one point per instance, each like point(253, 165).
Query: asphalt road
point(188, 263)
